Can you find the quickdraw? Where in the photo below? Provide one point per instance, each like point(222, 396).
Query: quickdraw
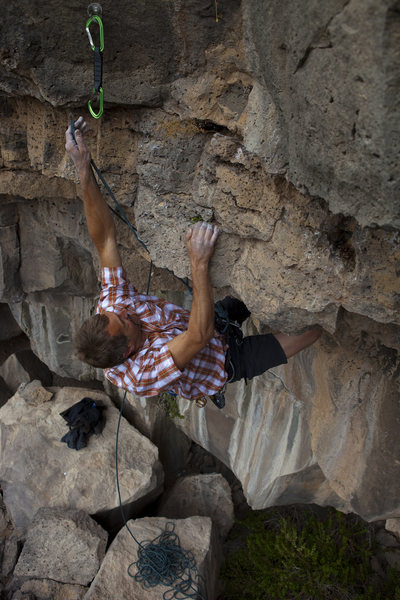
point(95, 13)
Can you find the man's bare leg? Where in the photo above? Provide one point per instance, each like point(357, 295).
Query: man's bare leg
point(292, 344)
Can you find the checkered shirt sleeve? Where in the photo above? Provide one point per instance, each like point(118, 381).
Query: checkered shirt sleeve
point(152, 369)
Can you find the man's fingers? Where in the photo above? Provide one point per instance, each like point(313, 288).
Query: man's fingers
point(81, 124)
point(215, 235)
point(69, 140)
point(205, 232)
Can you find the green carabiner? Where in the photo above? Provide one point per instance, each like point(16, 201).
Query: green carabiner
point(101, 29)
point(101, 102)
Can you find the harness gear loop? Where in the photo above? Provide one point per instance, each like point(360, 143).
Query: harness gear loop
point(98, 93)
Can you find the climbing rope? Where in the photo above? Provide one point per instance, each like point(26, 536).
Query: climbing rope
point(162, 561)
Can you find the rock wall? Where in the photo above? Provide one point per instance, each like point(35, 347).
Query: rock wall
point(280, 124)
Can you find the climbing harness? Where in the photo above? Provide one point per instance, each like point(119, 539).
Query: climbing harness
point(162, 560)
point(95, 13)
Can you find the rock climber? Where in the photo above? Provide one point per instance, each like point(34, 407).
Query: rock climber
point(146, 344)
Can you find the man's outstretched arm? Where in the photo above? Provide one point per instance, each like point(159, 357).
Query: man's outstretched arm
point(200, 241)
point(98, 216)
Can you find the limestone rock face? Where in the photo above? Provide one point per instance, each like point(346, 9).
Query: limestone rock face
point(38, 470)
point(279, 123)
point(195, 534)
point(322, 428)
point(76, 560)
point(329, 72)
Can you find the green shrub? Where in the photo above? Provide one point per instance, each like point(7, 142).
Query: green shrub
point(169, 404)
point(306, 558)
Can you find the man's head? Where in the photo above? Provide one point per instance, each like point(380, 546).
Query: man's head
point(107, 339)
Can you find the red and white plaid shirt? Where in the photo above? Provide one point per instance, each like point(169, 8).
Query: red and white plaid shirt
point(152, 368)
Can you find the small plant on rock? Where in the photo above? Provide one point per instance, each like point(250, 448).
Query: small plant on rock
point(169, 404)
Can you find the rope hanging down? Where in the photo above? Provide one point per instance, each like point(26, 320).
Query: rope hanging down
point(162, 560)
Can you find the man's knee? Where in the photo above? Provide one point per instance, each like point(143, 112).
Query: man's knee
point(292, 344)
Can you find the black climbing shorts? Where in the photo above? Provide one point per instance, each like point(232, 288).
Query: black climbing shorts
point(252, 356)
point(249, 356)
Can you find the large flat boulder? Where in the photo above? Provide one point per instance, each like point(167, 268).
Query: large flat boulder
point(38, 470)
point(113, 581)
point(64, 545)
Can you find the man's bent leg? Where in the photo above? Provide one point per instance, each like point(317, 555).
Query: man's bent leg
point(258, 353)
point(253, 356)
point(292, 344)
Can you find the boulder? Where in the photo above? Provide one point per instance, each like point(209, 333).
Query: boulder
point(45, 589)
point(38, 470)
point(23, 367)
point(63, 545)
point(393, 525)
point(113, 581)
point(393, 559)
point(203, 495)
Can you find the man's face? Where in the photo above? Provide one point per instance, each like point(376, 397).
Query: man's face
point(126, 324)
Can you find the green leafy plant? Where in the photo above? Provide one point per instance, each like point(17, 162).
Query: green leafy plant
point(305, 558)
point(169, 404)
